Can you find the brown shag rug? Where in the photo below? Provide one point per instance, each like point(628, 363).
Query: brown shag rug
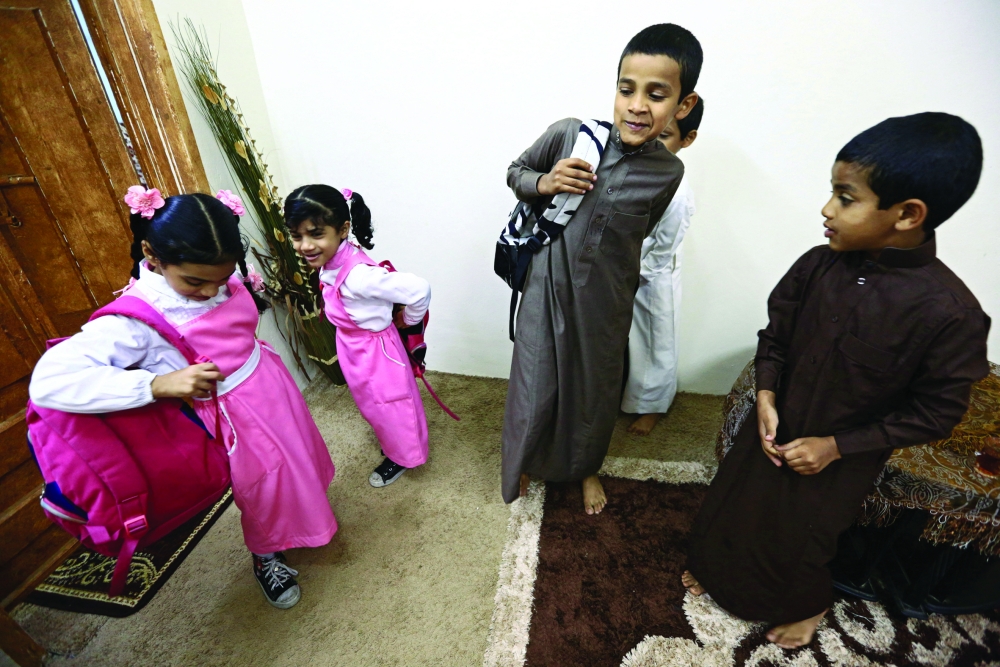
point(605, 591)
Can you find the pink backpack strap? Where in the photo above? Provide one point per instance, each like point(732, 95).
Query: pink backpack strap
point(136, 308)
point(358, 257)
point(132, 504)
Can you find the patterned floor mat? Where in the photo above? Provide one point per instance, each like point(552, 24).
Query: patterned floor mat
point(81, 583)
point(605, 590)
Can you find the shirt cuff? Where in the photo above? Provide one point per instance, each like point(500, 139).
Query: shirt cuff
point(528, 184)
point(868, 438)
point(767, 376)
point(145, 387)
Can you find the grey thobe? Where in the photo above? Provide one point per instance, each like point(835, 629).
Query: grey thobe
point(576, 308)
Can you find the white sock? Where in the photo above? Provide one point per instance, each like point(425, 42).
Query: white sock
point(265, 556)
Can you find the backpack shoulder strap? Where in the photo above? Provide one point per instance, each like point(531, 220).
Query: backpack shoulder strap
point(358, 257)
point(136, 308)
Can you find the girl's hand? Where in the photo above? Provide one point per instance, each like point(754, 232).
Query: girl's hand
point(196, 381)
point(767, 425)
point(571, 175)
point(398, 320)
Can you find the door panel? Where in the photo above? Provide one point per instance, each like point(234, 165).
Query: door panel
point(38, 246)
point(64, 243)
point(55, 141)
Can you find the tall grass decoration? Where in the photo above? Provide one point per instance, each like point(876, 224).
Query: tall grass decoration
point(290, 284)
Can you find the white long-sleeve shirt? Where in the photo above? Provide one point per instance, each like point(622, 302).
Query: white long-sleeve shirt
point(111, 363)
point(660, 249)
point(369, 293)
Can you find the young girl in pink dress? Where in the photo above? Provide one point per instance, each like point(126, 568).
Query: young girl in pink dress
point(186, 250)
point(362, 301)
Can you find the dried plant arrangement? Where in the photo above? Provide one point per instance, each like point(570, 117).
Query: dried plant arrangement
point(290, 284)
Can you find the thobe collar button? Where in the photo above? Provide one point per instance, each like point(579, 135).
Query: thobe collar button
point(861, 280)
point(835, 319)
point(611, 191)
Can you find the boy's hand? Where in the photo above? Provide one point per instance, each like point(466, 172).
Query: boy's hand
point(571, 175)
point(195, 381)
point(767, 424)
point(808, 456)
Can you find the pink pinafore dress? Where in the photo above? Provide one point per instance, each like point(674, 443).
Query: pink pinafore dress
point(378, 374)
point(280, 465)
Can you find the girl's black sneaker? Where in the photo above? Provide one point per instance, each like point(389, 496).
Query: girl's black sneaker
point(387, 473)
point(277, 580)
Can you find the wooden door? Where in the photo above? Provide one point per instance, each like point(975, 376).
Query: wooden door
point(64, 243)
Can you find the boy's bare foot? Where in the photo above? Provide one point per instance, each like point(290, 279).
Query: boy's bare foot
point(794, 635)
point(691, 583)
point(594, 499)
point(644, 424)
point(525, 481)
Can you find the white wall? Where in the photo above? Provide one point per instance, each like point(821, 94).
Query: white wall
point(229, 39)
point(421, 106)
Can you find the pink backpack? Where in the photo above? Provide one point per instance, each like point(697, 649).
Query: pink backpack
point(416, 349)
point(121, 480)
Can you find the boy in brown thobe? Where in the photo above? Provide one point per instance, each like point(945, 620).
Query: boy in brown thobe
point(873, 344)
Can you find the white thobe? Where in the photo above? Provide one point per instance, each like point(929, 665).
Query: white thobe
point(652, 340)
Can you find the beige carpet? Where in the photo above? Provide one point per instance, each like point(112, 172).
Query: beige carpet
point(408, 580)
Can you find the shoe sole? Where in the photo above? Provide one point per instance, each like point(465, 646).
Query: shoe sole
point(376, 480)
point(281, 605)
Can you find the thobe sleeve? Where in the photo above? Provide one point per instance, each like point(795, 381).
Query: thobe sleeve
point(89, 373)
point(666, 236)
point(524, 172)
point(938, 394)
point(375, 282)
point(782, 312)
point(659, 206)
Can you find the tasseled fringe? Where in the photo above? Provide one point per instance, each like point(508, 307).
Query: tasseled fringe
point(957, 530)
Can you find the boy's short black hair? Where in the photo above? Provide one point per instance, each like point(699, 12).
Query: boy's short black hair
point(692, 121)
point(934, 157)
point(673, 41)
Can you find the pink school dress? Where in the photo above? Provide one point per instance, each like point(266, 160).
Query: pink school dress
point(377, 370)
point(280, 465)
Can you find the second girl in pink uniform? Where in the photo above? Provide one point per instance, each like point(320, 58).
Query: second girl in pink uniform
point(362, 301)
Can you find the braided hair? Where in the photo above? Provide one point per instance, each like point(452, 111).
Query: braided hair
point(326, 206)
point(195, 228)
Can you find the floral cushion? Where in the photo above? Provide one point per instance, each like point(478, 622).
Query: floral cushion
point(940, 477)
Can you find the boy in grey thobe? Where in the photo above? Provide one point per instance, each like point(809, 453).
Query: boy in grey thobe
point(576, 308)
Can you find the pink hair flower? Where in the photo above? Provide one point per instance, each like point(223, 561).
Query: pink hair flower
point(256, 279)
point(348, 193)
point(234, 203)
point(143, 201)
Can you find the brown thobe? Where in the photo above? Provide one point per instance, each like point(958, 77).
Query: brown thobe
point(576, 308)
point(879, 354)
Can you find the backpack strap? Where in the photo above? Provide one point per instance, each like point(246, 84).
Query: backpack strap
point(358, 257)
point(136, 308)
point(524, 255)
point(132, 501)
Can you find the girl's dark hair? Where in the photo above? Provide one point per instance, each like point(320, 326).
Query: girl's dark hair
point(195, 228)
point(326, 206)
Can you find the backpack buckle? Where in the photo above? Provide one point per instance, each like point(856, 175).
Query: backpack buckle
point(136, 525)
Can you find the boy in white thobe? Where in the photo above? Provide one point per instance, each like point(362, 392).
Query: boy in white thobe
point(652, 347)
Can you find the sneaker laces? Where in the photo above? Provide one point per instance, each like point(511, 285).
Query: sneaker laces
point(277, 573)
